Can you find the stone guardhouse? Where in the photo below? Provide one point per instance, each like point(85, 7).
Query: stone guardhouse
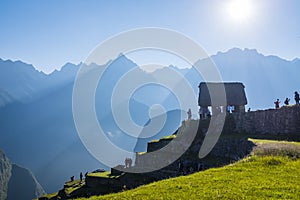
point(235, 98)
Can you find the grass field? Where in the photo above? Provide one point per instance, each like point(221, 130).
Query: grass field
point(259, 176)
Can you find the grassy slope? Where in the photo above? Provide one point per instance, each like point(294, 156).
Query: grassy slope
point(272, 177)
point(259, 141)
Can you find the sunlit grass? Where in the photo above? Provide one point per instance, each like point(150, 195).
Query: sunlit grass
point(169, 137)
point(261, 141)
point(256, 178)
point(100, 174)
point(259, 176)
point(272, 171)
point(49, 196)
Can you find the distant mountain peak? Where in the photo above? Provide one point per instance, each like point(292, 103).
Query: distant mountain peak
point(296, 60)
point(236, 50)
point(233, 50)
point(250, 52)
point(68, 66)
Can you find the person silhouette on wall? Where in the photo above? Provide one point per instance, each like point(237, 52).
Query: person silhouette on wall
point(277, 102)
point(297, 98)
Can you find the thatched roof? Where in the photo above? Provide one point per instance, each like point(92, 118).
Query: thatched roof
point(235, 93)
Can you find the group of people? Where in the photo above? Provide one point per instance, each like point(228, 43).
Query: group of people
point(80, 176)
point(287, 101)
point(188, 166)
point(128, 162)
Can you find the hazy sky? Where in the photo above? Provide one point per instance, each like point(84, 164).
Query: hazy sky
point(50, 33)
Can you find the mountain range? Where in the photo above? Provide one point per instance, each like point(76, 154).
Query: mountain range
point(37, 129)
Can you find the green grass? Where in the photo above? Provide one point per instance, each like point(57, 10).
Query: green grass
point(260, 141)
point(49, 196)
point(100, 174)
point(252, 178)
point(69, 187)
point(259, 176)
point(106, 174)
point(169, 137)
point(277, 148)
point(72, 183)
point(72, 186)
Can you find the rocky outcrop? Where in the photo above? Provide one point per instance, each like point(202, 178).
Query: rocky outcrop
point(17, 182)
point(23, 185)
point(5, 173)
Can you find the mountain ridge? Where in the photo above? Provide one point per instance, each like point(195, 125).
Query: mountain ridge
point(234, 49)
point(45, 121)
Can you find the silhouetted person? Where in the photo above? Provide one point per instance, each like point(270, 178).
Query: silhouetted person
point(199, 166)
point(229, 109)
point(72, 178)
point(189, 112)
point(297, 98)
point(191, 169)
point(286, 102)
point(277, 102)
point(249, 109)
point(129, 162)
point(200, 113)
point(80, 176)
point(180, 166)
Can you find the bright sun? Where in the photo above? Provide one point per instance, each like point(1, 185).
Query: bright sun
point(240, 10)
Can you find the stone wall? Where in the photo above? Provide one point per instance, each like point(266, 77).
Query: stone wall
point(93, 182)
point(272, 122)
point(282, 124)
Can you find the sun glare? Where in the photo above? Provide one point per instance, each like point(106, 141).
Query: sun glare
point(240, 10)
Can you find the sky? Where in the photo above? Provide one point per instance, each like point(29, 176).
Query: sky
point(50, 33)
